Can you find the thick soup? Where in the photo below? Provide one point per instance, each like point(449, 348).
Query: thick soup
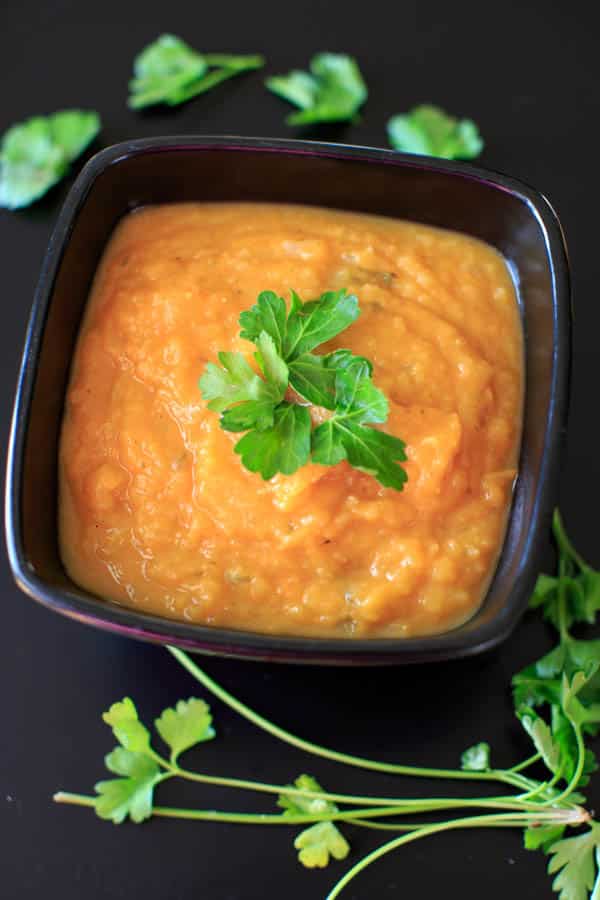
point(157, 511)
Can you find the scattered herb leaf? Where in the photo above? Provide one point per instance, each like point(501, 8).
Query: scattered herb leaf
point(169, 71)
point(476, 758)
point(428, 130)
point(333, 90)
point(37, 153)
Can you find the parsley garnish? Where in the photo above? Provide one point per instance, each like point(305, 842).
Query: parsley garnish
point(169, 71)
point(333, 90)
point(36, 154)
point(279, 436)
point(432, 132)
point(545, 807)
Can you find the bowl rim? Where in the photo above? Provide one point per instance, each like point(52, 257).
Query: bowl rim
point(95, 611)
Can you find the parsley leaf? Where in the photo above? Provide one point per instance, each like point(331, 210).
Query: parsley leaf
point(170, 71)
point(305, 327)
point(283, 447)
point(186, 724)
point(268, 314)
point(318, 843)
point(313, 377)
point(245, 399)
point(476, 758)
point(573, 859)
point(540, 734)
point(35, 154)
point(430, 131)
point(127, 728)
point(322, 840)
point(295, 804)
point(333, 91)
point(343, 436)
point(538, 837)
point(130, 795)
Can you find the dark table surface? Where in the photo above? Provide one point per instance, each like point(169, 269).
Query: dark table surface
point(528, 75)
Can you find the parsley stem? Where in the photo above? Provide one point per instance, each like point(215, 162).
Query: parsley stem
point(525, 764)
point(488, 821)
point(237, 63)
point(316, 750)
point(400, 803)
point(564, 542)
point(356, 816)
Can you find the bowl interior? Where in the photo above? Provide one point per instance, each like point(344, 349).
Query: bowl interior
point(509, 217)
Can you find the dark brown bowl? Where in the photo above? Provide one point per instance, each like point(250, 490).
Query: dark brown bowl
point(515, 219)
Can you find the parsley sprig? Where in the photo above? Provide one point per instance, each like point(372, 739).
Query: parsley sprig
point(431, 131)
point(333, 90)
point(279, 434)
point(37, 153)
point(169, 71)
point(567, 686)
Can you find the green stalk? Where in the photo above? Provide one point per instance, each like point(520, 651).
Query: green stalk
point(355, 816)
point(238, 63)
point(316, 750)
point(399, 803)
point(491, 821)
point(564, 542)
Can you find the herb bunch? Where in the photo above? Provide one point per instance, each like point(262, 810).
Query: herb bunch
point(565, 683)
point(279, 435)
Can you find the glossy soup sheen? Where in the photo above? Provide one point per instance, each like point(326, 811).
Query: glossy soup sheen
point(156, 510)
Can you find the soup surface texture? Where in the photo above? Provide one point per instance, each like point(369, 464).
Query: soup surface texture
point(157, 511)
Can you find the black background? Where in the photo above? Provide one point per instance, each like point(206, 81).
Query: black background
point(528, 74)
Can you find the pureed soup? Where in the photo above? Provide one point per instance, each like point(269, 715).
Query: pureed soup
point(158, 513)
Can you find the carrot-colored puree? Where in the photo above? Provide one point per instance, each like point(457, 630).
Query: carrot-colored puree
point(157, 511)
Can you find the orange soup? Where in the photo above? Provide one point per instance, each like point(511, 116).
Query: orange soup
point(157, 511)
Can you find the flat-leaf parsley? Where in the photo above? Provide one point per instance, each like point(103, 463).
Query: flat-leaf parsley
point(333, 90)
point(545, 806)
point(279, 435)
point(169, 71)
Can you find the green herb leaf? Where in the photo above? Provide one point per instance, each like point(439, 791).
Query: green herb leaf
point(540, 734)
point(170, 71)
point(237, 385)
point(314, 379)
point(334, 90)
point(344, 436)
point(271, 363)
point(313, 323)
point(130, 795)
point(476, 758)
point(295, 804)
point(127, 728)
point(283, 447)
point(305, 327)
point(430, 131)
point(35, 154)
point(541, 837)
point(318, 843)
point(268, 314)
point(186, 724)
point(573, 859)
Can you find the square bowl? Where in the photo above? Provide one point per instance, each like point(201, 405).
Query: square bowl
point(508, 215)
